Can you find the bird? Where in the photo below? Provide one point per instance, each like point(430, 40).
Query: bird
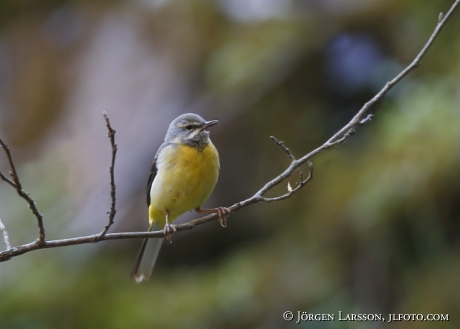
point(183, 175)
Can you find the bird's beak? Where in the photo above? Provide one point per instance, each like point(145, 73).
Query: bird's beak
point(208, 124)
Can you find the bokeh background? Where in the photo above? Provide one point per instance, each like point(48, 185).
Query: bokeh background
point(376, 231)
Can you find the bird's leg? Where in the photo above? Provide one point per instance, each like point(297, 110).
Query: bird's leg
point(223, 213)
point(169, 229)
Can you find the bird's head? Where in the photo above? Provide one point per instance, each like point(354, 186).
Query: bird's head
point(190, 129)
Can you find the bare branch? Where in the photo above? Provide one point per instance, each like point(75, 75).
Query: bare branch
point(283, 147)
point(361, 117)
point(17, 185)
point(112, 211)
point(6, 179)
point(291, 156)
point(6, 238)
point(370, 117)
point(293, 190)
point(342, 140)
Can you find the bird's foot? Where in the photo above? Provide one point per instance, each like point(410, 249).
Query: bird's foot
point(222, 212)
point(169, 230)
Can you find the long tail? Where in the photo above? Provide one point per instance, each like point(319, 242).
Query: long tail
point(147, 257)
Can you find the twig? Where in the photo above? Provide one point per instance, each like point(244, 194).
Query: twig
point(6, 179)
point(370, 117)
point(283, 147)
point(291, 191)
point(291, 156)
point(342, 140)
point(341, 136)
point(5, 235)
point(112, 211)
point(17, 185)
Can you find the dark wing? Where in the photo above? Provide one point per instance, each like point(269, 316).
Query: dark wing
point(154, 170)
point(153, 173)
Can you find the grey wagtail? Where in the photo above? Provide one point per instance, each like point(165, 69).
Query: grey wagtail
point(183, 175)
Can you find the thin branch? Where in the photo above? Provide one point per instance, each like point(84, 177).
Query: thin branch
point(16, 183)
point(6, 179)
point(283, 147)
point(112, 211)
point(361, 117)
point(6, 238)
point(292, 157)
point(369, 117)
point(342, 140)
point(291, 191)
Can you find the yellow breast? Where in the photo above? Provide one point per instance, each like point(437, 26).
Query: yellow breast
point(185, 179)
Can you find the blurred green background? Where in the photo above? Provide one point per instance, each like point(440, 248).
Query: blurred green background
point(376, 231)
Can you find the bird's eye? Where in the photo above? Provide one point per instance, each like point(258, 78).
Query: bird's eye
point(188, 127)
